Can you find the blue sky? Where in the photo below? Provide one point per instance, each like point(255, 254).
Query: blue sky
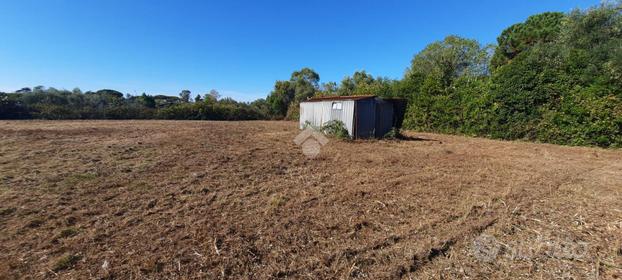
point(237, 47)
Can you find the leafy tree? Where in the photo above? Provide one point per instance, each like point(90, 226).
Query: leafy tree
point(213, 95)
point(11, 108)
point(280, 98)
point(329, 88)
point(541, 28)
point(305, 83)
point(38, 89)
point(163, 101)
point(148, 100)
point(285, 98)
point(450, 59)
point(198, 98)
point(307, 76)
point(360, 83)
point(261, 107)
point(184, 95)
point(524, 90)
point(104, 92)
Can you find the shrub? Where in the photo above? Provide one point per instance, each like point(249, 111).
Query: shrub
point(336, 129)
point(394, 133)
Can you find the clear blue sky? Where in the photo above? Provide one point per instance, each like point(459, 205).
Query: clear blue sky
point(237, 47)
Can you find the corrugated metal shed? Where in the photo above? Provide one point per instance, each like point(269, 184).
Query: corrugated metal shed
point(365, 116)
point(319, 113)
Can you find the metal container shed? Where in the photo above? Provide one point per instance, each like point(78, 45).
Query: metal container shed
point(364, 116)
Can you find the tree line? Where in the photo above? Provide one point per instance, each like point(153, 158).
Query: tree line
point(556, 78)
point(50, 103)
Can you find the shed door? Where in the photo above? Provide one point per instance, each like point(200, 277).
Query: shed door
point(384, 118)
point(365, 118)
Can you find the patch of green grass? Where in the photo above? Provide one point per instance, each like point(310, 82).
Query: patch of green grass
point(65, 262)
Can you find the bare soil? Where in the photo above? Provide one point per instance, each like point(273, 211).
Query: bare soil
point(239, 200)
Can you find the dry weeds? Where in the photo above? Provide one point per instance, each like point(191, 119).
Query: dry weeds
point(238, 200)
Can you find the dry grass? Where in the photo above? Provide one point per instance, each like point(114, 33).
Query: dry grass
point(169, 199)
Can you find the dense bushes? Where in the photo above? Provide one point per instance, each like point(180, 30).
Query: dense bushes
point(223, 110)
point(56, 104)
point(12, 109)
point(564, 89)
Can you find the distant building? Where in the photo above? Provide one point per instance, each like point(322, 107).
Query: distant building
point(364, 116)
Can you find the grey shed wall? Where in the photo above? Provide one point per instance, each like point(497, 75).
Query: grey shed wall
point(318, 113)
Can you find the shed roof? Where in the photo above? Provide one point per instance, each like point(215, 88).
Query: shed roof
point(331, 98)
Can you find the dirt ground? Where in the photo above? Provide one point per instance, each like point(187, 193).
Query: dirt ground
point(239, 200)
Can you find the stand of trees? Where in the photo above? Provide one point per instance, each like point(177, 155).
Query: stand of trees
point(554, 78)
point(51, 103)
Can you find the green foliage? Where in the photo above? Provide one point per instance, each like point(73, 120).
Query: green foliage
point(448, 60)
point(12, 108)
point(556, 79)
point(443, 84)
point(309, 125)
point(284, 100)
point(280, 98)
point(519, 37)
point(225, 109)
point(56, 104)
point(565, 91)
point(184, 95)
point(148, 101)
point(394, 133)
point(335, 129)
point(198, 98)
point(525, 88)
point(362, 83)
